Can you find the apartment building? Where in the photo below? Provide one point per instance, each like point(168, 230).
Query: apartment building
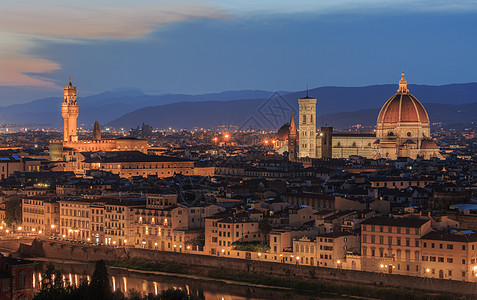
point(97, 222)
point(392, 245)
point(449, 255)
point(40, 215)
point(221, 232)
point(75, 219)
point(331, 248)
point(119, 216)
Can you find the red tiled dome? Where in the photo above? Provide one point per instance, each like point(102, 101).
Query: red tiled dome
point(403, 107)
point(429, 144)
point(282, 133)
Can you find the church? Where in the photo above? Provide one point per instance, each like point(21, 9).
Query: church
point(70, 112)
point(402, 130)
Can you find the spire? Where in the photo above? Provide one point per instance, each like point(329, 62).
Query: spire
point(292, 129)
point(69, 84)
point(306, 94)
point(403, 85)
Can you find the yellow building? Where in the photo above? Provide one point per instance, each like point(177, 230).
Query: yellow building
point(449, 255)
point(40, 215)
point(222, 231)
point(75, 219)
point(119, 227)
point(392, 245)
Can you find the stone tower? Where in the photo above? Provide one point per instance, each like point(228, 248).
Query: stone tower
point(69, 111)
point(292, 141)
point(307, 126)
point(326, 134)
point(96, 132)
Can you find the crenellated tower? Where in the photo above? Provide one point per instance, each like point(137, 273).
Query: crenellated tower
point(69, 111)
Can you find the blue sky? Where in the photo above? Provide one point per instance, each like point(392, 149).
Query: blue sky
point(211, 46)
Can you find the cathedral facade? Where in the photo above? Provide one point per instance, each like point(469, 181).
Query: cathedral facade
point(402, 130)
point(70, 113)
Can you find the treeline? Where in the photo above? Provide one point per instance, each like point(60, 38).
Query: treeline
point(53, 287)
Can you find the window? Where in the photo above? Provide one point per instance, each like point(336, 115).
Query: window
point(364, 227)
point(425, 258)
point(373, 239)
point(365, 238)
point(440, 246)
point(432, 258)
point(450, 246)
point(463, 261)
point(424, 245)
point(440, 259)
point(390, 240)
point(381, 239)
point(463, 247)
point(450, 260)
point(22, 279)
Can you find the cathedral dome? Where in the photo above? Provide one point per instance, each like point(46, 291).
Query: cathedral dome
point(282, 133)
point(429, 144)
point(403, 107)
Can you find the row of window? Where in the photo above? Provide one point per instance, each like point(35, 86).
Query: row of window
point(389, 240)
point(390, 229)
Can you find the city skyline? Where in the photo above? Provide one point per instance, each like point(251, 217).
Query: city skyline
point(214, 46)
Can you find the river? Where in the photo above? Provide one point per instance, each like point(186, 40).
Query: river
point(125, 281)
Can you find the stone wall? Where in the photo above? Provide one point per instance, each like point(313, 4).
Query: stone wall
point(53, 249)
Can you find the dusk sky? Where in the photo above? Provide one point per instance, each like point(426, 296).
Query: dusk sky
point(211, 46)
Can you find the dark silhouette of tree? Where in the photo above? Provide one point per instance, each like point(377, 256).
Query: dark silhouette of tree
point(13, 212)
point(52, 285)
point(265, 228)
point(100, 286)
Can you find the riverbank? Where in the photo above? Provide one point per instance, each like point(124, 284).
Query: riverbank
point(297, 277)
point(314, 286)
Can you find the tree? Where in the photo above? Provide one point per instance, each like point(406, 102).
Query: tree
point(265, 228)
point(52, 286)
point(100, 287)
point(13, 212)
point(173, 294)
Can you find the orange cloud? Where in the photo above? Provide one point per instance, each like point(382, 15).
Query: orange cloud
point(25, 22)
point(93, 20)
point(15, 69)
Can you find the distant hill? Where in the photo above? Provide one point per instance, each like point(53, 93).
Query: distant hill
point(108, 106)
point(132, 107)
point(337, 106)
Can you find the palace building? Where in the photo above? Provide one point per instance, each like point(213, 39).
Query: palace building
point(402, 130)
point(70, 112)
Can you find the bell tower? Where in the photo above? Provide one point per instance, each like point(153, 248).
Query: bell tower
point(69, 111)
point(292, 140)
point(307, 127)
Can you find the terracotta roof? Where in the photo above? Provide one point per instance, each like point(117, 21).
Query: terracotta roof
point(403, 108)
point(451, 237)
point(282, 133)
point(396, 222)
point(429, 144)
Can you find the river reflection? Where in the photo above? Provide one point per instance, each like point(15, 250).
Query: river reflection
point(125, 281)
